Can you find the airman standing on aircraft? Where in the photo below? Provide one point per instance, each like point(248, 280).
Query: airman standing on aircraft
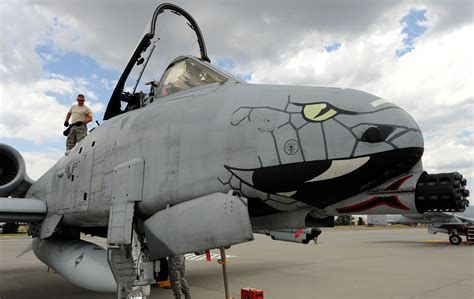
point(80, 115)
point(178, 282)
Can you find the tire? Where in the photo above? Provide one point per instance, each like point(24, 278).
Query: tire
point(455, 239)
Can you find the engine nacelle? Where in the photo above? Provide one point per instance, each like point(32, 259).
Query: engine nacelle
point(12, 171)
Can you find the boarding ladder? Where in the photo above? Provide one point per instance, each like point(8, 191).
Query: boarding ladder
point(123, 268)
point(470, 234)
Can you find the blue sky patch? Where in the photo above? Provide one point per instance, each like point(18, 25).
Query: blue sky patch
point(429, 137)
point(72, 64)
point(246, 77)
point(413, 27)
point(25, 145)
point(79, 68)
point(333, 47)
point(228, 65)
point(464, 134)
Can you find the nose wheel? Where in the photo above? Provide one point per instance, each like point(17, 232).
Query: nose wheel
point(455, 239)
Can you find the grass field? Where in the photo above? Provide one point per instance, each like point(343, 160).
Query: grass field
point(13, 235)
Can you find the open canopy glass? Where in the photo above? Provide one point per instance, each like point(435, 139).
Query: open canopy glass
point(141, 57)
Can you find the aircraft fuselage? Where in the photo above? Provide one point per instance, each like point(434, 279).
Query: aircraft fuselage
point(266, 142)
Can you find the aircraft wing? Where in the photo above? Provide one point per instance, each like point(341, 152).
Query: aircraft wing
point(453, 218)
point(467, 215)
point(22, 209)
point(436, 217)
point(465, 219)
point(380, 220)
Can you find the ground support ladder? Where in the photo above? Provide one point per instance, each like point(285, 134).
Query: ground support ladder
point(470, 234)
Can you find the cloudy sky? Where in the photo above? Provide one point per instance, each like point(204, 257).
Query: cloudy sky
point(417, 54)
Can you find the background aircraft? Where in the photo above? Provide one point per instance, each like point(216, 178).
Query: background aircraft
point(203, 159)
point(454, 224)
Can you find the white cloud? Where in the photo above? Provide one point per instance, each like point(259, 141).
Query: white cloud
point(28, 111)
point(81, 85)
point(38, 162)
point(27, 108)
point(96, 107)
point(60, 86)
point(433, 82)
point(444, 154)
point(19, 62)
point(30, 114)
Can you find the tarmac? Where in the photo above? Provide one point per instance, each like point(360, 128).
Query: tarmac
point(383, 263)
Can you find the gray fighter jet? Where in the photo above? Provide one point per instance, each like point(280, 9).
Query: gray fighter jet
point(204, 159)
point(453, 224)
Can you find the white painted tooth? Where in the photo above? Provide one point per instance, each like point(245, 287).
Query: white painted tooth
point(340, 167)
point(287, 194)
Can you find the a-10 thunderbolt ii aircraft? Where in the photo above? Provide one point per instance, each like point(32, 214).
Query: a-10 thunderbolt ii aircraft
point(204, 159)
point(453, 224)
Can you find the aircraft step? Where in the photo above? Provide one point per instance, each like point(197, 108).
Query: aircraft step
point(470, 234)
point(123, 268)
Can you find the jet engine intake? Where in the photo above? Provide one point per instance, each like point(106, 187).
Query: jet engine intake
point(13, 178)
point(443, 192)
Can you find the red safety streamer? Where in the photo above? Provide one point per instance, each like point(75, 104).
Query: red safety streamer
point(298, 233)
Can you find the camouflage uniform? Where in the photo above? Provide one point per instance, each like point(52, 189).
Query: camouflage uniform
point(76, 134)
point(176, 271)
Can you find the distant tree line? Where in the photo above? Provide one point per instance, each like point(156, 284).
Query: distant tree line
point(348, 220)
point(343, 220)
point(10, 228)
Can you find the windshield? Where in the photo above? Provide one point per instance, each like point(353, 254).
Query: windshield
point(187, 74)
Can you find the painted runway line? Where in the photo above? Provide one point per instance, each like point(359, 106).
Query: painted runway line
point(214, 256)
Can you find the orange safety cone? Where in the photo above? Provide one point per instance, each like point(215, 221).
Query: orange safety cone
point(165, 284)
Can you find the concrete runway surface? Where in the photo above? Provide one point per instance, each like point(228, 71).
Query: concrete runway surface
point(385, 263)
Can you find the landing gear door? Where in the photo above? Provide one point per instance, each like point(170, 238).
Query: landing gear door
point(61, 179)
point(66, 188)
point(127, 189)
point(82, 180)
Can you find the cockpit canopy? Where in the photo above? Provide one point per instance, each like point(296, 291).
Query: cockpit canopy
point(184, 74)
point(181, 75)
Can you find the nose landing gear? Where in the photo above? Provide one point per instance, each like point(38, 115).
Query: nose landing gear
point(455, 239)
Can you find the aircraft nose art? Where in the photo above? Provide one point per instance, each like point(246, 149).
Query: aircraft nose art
point(307, 150)
point(324, 182)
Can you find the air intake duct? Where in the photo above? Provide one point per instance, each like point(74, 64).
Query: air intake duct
point(12, 170)
point(443, 192)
